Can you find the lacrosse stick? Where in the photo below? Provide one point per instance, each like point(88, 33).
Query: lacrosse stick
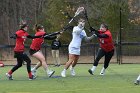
point(79, 10)
point(59, 32)
point(86, 16)
point(75, 21)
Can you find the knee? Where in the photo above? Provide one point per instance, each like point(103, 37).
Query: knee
point(40, 63)
point(42, 60)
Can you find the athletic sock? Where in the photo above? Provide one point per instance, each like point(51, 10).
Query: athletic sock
point(138, 78)
point(47, 70)
point(103, 70)
point(72, 68)
point(64, 70)
point(93, 68)
point(30, 74)
point(10, 72)
point(34, 69)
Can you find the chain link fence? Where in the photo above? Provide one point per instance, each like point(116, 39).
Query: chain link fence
point(130, 54)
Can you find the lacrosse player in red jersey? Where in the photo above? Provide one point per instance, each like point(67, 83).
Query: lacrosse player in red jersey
point(36, 52)
point(106, 48)
point(20, 37)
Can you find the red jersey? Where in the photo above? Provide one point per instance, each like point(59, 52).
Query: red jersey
point(106, 43)
point(37, 42)
point(21, 37)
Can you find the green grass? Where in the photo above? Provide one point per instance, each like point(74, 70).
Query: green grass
point(118, 79)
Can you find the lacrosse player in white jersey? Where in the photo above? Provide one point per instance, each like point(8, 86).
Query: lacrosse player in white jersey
point(74, 47)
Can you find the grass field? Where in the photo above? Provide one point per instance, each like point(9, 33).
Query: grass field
point(118, 79)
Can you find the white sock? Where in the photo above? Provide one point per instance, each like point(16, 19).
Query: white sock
point(72, 68)
point(138, 78)
point(103, 70)
point(64, 70)
point(34, 69)
point(47, 70)
point(93, 68)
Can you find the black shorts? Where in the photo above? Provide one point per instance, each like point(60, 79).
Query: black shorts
point(32, 51)
point(17, 54)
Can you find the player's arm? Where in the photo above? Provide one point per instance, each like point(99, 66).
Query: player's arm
point(101, 35)
point(52, 34)
point(96, 33)
point(32, 37)
point(50, 37)
point(89, 38)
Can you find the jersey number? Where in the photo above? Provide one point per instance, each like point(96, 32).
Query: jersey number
point(102, 41)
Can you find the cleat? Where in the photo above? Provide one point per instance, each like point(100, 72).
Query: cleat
point(9, 76)
point(137, 82)
point(90, 71)
point(55, 66)
point(32, 78)
point(101, 74)
point(58, 65)
point(50, 73)
point(63, 74)
point(34, 72)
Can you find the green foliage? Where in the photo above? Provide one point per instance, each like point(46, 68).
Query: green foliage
point(99, 11)
point(55, 20)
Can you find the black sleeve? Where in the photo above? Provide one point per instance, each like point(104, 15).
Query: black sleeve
point(50, 37)
point(32, 37)
point(52, 34)
point(14, 36)
point(93, 30)
point(101, 35)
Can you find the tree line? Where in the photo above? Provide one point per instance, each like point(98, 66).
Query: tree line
point(51, 14)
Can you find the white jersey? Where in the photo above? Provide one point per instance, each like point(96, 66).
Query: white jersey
point(77, 36)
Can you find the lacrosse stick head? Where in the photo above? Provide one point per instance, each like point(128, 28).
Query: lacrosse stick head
point(79, 10)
